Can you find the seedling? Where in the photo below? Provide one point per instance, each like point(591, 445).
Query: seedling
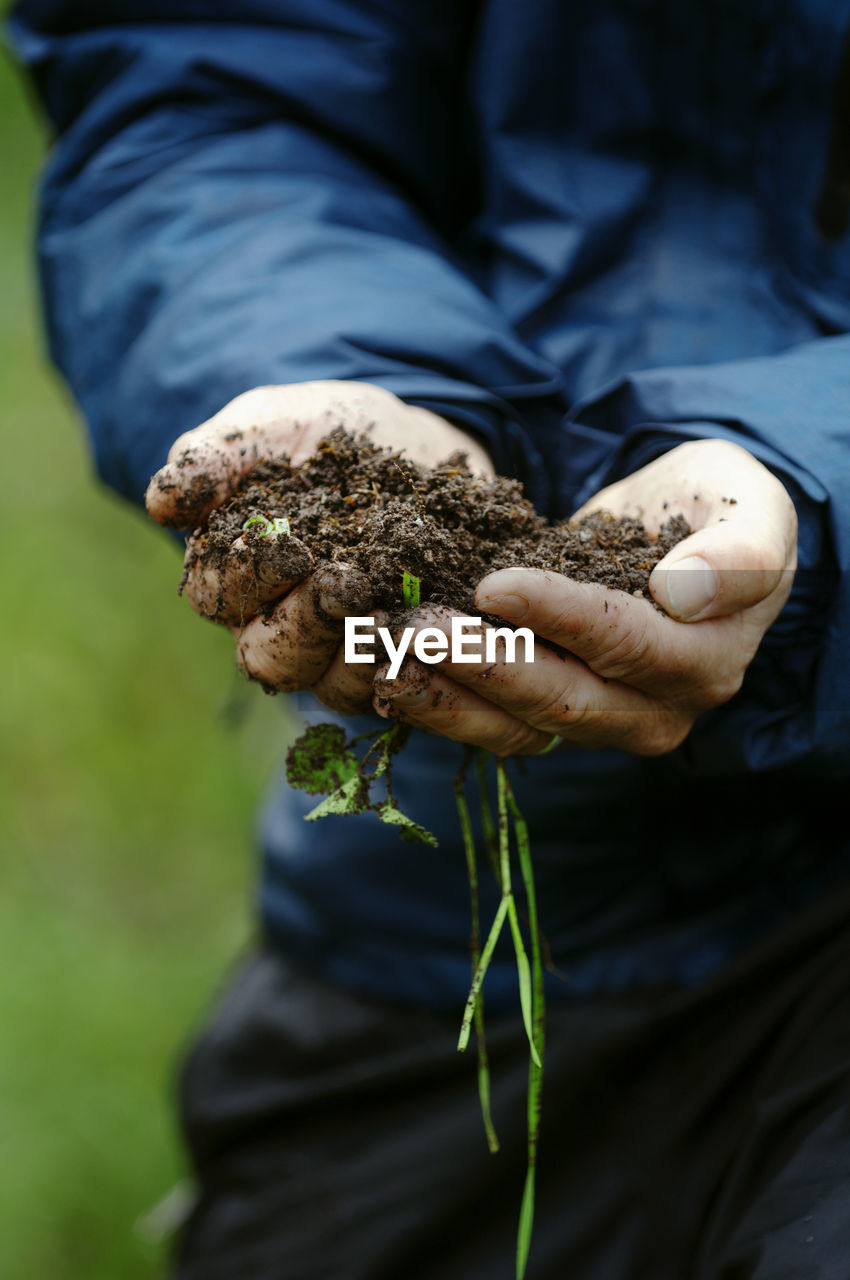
point(531, 995)
point(323, 761)
point(410, 590)
point(276, 526)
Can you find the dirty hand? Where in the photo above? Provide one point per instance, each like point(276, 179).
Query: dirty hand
point(295, 645)
point(631, 677)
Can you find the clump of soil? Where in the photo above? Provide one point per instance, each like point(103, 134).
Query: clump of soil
point(356, 505)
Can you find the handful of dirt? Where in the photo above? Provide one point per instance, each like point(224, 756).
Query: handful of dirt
point(356, 505)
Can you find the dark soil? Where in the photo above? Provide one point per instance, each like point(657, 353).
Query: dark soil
point(369, 509)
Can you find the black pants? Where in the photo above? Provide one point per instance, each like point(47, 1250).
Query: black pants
point(685, 1136)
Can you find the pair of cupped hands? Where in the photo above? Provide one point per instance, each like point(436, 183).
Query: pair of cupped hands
point(623, 674)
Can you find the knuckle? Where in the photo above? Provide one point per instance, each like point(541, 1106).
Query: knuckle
point(517, 739)
point(560, 619)
point(547, 706)
point(723, 686)
point(662, 734)
point(577, 716)
point(627, 652)
point(764, 557)
point(259, 654)
point(562, 711)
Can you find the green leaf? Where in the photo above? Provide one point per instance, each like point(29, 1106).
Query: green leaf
point(524, 975)
point(478, 978)
point(410, 589)
point(526, 1221)
point(263, 532)
point(408, 829)
point(319, 760)
point(389, 744)
point(351, 797)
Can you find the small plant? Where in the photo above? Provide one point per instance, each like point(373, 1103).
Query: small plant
point(277, 525)
point(531, 993)
point(410, 590)
point(323, 761)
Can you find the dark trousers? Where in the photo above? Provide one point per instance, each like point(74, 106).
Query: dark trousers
point(685, 1136)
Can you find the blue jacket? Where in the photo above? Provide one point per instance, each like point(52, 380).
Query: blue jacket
point(589, 229)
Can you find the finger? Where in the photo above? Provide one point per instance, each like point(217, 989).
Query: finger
point(206, 464)
point(429, 700)
point(623, 638)
point(734, 562)
point(204, 467)
point(347, 686)
point(558, 694)
point(254, 571)
point(293, 644)
point(693, 479)
point(743, 549)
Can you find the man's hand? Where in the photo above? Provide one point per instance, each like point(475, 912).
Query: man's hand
point(295, 646)
point(631, 677)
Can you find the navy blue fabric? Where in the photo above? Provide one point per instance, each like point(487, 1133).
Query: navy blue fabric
point(586, 229)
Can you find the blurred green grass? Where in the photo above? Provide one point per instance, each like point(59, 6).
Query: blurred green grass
point(126, 803)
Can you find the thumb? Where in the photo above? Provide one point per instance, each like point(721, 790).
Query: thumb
point(725, 567)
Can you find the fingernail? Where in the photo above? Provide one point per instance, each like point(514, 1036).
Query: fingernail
point(340, 592)
point(331, 606)
point(281, 560)
point(408, 695)
point(507, 604)
point(691, 586)
point(409, 687)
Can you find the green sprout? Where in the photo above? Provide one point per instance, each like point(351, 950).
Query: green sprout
point(475, 953)
point(323, 760)
point(410, 590)
point(531, 996)
point(535, 1070)
point(276, 526)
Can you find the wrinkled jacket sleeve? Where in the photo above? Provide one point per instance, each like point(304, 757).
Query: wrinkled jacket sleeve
point(792, 411)
point(260, 193)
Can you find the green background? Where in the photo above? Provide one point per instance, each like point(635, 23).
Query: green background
point(133, 756)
